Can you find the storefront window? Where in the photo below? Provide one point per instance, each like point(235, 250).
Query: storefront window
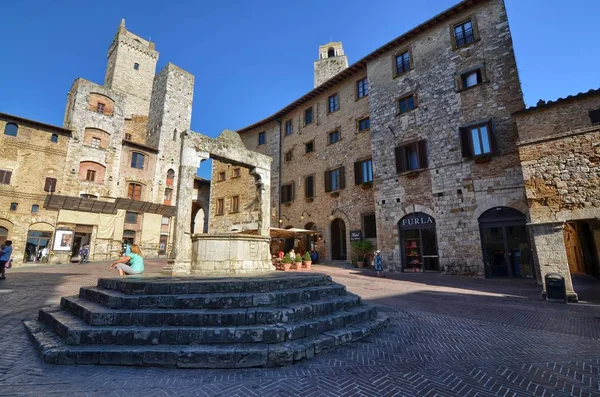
point(37, 246)
point(418, 243)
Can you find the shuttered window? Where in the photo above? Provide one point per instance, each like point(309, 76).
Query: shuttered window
point(335, 179)
point(5, 177)
point(412, 156)
point(363, 172)
point(287, 193)
point(50, 185)
point(478, 140)
point(134, 191)
point(309, 186)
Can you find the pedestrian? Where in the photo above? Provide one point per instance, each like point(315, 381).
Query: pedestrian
point(314, 256)
point(5, 255)
point(136, 260)
point(292, 254)
point(45, 253)
point(378, 264)
point(83, 254)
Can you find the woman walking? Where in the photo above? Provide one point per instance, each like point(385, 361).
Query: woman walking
point(135, 259)
point(378, 264)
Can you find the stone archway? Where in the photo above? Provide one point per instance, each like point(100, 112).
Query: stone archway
point(338, 239)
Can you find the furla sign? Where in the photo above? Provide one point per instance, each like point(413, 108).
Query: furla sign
point(415, 220)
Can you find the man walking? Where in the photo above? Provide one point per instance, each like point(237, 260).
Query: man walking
point(5, 255)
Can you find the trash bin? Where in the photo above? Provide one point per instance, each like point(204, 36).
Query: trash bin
point(556, 290)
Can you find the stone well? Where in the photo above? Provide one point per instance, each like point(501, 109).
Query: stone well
point(230, 253)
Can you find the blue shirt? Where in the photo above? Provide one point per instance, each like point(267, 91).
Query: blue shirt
point(137, 262)
point(6, 253)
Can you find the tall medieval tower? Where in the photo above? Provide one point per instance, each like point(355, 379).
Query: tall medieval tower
point(130, 70)
point(331, 61)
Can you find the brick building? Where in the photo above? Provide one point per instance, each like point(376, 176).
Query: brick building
point(559, 147)
point(113, 166)
point(413, 145)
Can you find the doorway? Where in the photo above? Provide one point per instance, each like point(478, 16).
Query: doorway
point(505, 244)
point(338, 239)
point(418, 243)
point(580, 246)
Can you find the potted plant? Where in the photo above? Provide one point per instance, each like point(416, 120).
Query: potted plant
point(335, 194)
point(359, 249)
point(287, 262)
point(298, 262)
point(307, 260)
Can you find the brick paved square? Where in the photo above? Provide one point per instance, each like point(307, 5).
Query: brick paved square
point(448, 336)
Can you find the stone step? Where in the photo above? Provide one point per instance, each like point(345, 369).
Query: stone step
point(54, 350)
point(96, 314)
point(75, 331)
point(153, 285)
point(119, 300)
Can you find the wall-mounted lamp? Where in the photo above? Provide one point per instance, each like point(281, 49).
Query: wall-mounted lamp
point(302, 216)
point(281, 220)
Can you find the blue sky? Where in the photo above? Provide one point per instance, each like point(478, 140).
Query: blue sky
point(251, 58)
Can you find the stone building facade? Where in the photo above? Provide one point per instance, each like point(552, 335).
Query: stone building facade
point(559, 148)
point(414, 180)
point(118, 168)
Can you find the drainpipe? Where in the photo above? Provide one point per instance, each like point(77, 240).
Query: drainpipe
point(280, 164)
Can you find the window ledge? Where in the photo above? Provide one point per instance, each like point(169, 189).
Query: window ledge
point(396, 75)
point(398, 114)
point(289, 203)
point(473, 86)
point(412, 173)
point(309, 124)
point(309, 199)
point(338, 141)
point(366, 185)
point(335, 194)
point(362, 97)
point(484, 158)
point(457, 48)
point(337, 110)
point(308, 153)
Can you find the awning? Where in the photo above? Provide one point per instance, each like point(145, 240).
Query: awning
point(283, 233)
point(58, 202)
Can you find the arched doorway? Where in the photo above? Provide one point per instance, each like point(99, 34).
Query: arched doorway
point(418, 243)
point(198, 222)
point(505, 243)
point(338, 239)
point(3, 234)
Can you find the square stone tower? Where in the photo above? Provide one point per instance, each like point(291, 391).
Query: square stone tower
point(131, 69)
point(331, 61)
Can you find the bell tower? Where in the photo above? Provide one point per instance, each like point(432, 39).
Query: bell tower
point(130, 70)
point(331, 61)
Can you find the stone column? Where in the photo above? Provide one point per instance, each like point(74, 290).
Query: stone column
point(551, 255)
point(263, 186)
point(180, 262)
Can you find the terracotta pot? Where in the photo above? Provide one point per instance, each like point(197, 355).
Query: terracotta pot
point(298, 265)
point(307, 264)
point(360, 264)
point(286, 267)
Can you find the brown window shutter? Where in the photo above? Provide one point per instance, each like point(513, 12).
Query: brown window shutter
point(399, 159)
point(293, 191)
point(130, 191)
point(283, 191)
point(138, 192)
point(309, 186)
point(342, 178)
point(327, 181)
point(492, 135)
point(358, 173)
point(422, 146)
point(464, 142)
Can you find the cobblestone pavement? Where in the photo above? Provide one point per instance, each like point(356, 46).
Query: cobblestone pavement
point(448, 336)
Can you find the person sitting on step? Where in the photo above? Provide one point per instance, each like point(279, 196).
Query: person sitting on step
point(135, 260)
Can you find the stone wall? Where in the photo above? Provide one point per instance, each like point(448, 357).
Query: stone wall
point(452, 189)
point(560, 158)
point(31, 157)
point(243, 187)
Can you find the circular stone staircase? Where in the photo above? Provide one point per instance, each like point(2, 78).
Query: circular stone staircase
point(203, 322)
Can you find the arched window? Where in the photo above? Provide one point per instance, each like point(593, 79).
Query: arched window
point(137, 160)
point(134, 191)
point(11, 129)
point(54, 138)
point(35, 208)
point(170, 177)
point(330, 52)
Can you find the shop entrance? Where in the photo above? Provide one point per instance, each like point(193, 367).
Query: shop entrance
point(37, 246)
point(338, 239)
point(505, 244)
point(582, 254)
point(418, 243)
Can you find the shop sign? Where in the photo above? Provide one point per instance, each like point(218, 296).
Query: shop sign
point(417, 219)
point(355, 235)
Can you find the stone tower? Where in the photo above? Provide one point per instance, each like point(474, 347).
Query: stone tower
point(130, 70)
point(331, 61)
point(170, 115)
